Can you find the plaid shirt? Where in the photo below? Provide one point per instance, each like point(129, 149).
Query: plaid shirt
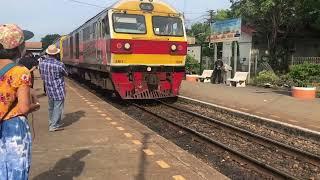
point(52, 73)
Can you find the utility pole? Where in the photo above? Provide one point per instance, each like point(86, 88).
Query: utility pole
point(211, 16)
point(211, 20)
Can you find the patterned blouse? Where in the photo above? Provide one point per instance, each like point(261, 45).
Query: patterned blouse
point(9, 83)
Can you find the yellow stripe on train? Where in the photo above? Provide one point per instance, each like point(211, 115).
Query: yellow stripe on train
point(148, 59)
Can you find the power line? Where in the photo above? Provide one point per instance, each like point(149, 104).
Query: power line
point(197, 18)
point(88, 4)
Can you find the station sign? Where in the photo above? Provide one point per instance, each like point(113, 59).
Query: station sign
point(226, 31)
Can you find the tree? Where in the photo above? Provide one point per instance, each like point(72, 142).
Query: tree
point(192, 66)
point(48, 40)
point(276, 20)
point(223, 14)
point(200, 31)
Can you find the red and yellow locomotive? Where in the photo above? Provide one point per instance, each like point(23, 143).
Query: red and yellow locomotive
point(136, 48)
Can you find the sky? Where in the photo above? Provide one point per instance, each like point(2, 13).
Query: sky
point(62, 16)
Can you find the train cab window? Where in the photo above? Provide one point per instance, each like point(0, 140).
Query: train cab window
point(129, 23)
point(167, 26)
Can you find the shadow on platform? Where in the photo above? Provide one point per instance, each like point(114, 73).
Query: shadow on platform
point(66, 168)
point(281, 92)
point(143, 159)
point(71, 118)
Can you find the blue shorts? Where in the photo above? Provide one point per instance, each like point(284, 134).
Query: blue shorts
point(15, 149)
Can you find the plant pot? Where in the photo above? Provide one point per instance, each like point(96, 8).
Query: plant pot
point(192, 78)
point(305, 93)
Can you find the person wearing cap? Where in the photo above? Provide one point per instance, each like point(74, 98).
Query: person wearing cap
point(15, 104)
point(52, 73)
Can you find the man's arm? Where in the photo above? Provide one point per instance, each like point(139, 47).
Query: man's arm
point(33, 68)
point(63, 70)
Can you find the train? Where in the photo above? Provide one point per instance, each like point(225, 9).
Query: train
point(135, 48)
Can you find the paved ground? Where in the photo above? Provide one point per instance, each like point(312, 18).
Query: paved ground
point(100, 142)
point(269, 103)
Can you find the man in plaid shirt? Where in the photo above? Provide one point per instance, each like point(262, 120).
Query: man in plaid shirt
point(52, 73)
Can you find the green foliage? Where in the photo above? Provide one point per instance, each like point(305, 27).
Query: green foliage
point(192, 65)
point(266, 77)
point(304, 75)
point(276, 20)
point(285, 81)
point(223, 14)
point(48, 40)
point(200, 31)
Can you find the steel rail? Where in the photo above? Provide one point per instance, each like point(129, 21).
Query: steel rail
point(208, 139)
point(285, 146)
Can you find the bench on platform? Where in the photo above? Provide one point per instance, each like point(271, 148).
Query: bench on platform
point(206, 76)
point(239, 79)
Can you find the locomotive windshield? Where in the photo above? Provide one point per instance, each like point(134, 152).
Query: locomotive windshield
point(129, 23)
point(167, 26)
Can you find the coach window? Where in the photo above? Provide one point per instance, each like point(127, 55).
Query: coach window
point(99, 30)
point(105, 26)
point(65, 45)
point(71, 47)
point(167, 26)
point(94, 30)
point(129, 23)
point(77, 45)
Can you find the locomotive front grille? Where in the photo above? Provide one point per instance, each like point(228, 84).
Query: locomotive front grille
point(148, 94)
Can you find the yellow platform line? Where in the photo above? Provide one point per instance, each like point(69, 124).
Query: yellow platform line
point(136, 142)
point(148, 152)
point(178, 177)
point(128, 135)
point(163, 164)
point(120, 128)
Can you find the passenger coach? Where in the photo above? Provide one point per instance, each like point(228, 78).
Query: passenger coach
point(136, 48)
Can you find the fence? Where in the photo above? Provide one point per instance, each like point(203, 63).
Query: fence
point(301, 60)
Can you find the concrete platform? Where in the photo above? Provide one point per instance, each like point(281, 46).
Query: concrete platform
point(268, 103)
point(100, 142)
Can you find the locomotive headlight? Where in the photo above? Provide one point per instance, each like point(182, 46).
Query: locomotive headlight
point(127, 46)
point(173, 47)
point(149, 69)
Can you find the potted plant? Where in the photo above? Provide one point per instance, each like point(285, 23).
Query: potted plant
point(305, 77)
point(304, 90)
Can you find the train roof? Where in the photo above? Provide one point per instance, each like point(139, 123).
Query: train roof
point(134, 6)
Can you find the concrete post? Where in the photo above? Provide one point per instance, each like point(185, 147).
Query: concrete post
point(235, 57)
point(215, 52)
point(249, 75)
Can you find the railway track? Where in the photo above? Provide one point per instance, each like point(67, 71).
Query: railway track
point(236, 152)
point(274, 157)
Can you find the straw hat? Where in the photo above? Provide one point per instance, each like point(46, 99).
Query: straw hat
point(52, 50)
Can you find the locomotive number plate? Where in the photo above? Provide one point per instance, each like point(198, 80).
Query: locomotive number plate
point(119, 61)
